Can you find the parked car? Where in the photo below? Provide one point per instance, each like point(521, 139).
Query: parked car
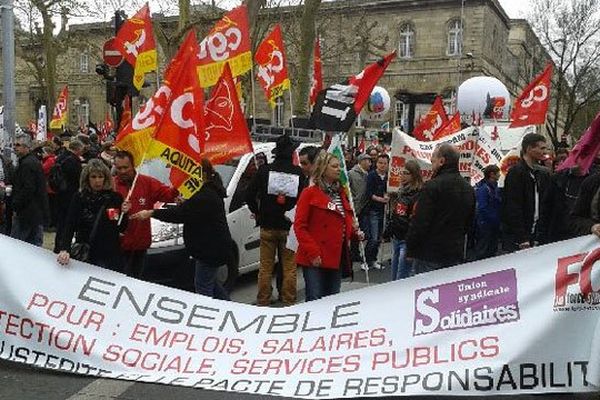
point(168, 263)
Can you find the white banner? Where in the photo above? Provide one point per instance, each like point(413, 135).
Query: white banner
point(42, 131)
point(477, 150)
point(522, 323)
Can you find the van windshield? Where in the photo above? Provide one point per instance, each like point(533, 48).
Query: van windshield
point(227, 170)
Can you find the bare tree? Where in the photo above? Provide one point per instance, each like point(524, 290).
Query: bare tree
point(42, 42)
point(570, 31)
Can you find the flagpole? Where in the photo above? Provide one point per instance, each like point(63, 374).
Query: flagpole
point(291, 110)
point(361, 245)
point(253, 101)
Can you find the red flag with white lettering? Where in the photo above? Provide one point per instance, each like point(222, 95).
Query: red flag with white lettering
point(532, 105)
point(435, 119)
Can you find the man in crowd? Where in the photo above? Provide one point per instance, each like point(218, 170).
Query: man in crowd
point(306, 157)
point(69, 163)
point(7, 172)
point(357, 180)
point(444, 214)
point(487, 231)
point(376, 193)
point(137, 238)
point(524, 189)
point(268, 200)
point(29, 197)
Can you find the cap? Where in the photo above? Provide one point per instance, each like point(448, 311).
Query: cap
point(363, 156)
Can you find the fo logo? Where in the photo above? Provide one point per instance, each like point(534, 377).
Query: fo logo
point(578, 280)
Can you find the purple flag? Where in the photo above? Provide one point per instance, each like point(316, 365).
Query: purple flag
point(585, 150)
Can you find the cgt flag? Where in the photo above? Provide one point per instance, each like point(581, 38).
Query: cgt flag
point(317, 76)
point(228, 41)
point(61, 110)
point(272, 66)
point(337, 106)
point(532, 105)
point(435, 119)
point(227, 134)
point(135, 41)
point(177, 140)
point(126, 114)
point(451, 127)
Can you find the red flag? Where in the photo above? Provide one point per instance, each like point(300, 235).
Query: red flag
point(585, 150)
point(272, 66)
point(61, 110)
point(317, 76)
point(179, 135)
point(135, 41)
point(362, 145)
point(227, 134)
point(451, 127)
point(228, 41)
point(126, 114)
point(532, 105)
point(434, 120)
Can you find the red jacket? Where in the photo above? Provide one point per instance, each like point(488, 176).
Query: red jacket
point(320, 228)
point(47, 164)
point(146, 193)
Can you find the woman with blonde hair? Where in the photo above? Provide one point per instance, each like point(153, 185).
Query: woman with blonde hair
point(93, 218)
point(324, 225)
point(402, 207)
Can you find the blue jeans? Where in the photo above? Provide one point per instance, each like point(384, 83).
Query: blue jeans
point(321, 282)
point(206, 281)
point(27, 232)
point(375, 219)
point(401, 268)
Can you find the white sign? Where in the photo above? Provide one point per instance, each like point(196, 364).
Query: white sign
point(42, 131)
point(477, 150)
point(282, 183)
point(518, 324)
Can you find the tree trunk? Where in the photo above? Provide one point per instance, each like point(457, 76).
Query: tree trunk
point(307, 43)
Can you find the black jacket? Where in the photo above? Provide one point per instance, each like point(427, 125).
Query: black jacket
point(29, 197)
point(444, 214)
point(559, 202)
point(518, 204)
point(401, 210)
point(85, 208)
point(269, 213)
point(9, 169)
point(205, 230)
point(586, 211)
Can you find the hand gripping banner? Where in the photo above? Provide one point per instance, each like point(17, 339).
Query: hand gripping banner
point(519, 324)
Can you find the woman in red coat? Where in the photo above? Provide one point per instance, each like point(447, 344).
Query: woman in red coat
point(324, 225)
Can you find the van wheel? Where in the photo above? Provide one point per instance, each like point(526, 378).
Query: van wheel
point(228, 274)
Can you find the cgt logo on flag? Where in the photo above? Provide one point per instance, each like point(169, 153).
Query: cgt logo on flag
point(489, 299)
point(573, 284)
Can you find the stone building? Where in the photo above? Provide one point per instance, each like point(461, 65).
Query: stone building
point(440, 44)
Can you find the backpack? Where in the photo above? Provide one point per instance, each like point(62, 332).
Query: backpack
point(56, 178)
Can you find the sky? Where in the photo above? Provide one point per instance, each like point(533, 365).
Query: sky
point(516, 8)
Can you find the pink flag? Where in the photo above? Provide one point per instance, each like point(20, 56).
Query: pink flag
point(585, 150)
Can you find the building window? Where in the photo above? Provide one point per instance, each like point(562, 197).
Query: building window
point(84, 63)
point(82, 107)
point(279, 111)
point(401, 115)
point(407, 41)
point(455, 33)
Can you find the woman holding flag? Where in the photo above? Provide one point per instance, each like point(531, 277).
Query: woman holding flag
point(205, 231)
point(324, 225)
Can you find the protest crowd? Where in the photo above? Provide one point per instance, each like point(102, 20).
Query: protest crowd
point(334, 208)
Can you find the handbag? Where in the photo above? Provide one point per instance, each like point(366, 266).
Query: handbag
point(81, 251)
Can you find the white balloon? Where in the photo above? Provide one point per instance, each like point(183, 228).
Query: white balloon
point(378, 104)
point(473, 97)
